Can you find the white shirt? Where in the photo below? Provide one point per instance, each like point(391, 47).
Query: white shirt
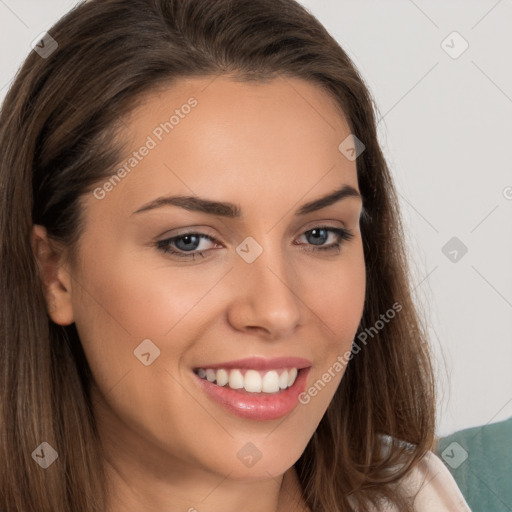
point(438, 491)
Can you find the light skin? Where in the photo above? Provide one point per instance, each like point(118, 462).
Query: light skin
point(268, 148)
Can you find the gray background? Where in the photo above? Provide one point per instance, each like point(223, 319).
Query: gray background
point(445, 127)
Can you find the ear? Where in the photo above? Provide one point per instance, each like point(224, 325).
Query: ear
point(54, 276)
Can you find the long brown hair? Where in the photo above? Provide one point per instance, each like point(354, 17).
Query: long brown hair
point(57, 139)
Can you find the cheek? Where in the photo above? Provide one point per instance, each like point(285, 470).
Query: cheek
point(337, 296)
point(128, 299)
point(338, 301)
point(338, 305)
point(138, 293)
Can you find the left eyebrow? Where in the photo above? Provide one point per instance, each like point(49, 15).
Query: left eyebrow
point(233, 211)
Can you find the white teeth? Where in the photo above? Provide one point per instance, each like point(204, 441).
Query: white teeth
point(270, 383)
point(222, 377)
point(253, 381)
point(236, 379)
point(291, 376)
point(283, 380)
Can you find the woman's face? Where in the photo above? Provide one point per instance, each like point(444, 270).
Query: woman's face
point(250, 283)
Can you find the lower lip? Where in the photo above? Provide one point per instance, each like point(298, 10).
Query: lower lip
point(257, 406)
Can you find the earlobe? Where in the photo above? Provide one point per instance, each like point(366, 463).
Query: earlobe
point(54, 276)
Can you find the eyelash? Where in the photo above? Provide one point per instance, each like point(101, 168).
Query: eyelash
point(164, 245)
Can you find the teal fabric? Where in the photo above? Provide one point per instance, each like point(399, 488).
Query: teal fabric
point(480, 460)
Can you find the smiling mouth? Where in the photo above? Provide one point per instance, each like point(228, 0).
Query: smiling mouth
point(250, 380)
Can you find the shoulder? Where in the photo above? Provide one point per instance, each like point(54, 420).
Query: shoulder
point(434, 486)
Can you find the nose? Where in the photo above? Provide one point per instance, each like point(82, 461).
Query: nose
point(266, 297)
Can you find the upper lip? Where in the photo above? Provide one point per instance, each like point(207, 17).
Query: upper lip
point(261, 363)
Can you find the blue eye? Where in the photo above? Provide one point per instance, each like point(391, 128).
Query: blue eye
point(189, 242)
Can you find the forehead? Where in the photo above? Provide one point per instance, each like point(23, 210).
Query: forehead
point(234, 97)
point(232, 140)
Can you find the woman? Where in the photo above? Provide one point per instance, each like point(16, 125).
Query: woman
point(277, 362)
